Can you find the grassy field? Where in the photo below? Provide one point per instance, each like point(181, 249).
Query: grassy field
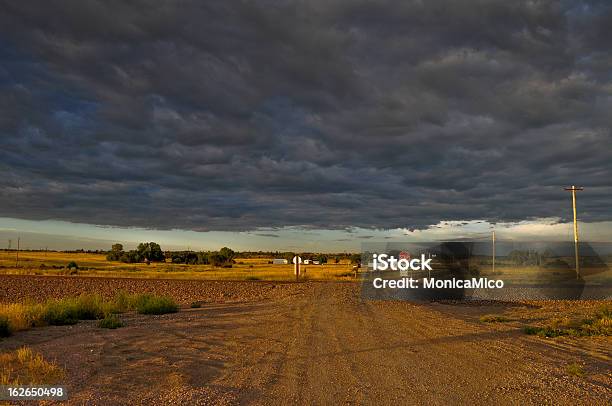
point(54, 263)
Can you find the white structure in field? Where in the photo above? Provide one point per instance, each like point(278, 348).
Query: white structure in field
point(280, 261)
point(306, 261)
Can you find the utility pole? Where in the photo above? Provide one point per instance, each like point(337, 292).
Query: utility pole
point(17, 260)
point(10, 243)
point(493, 236)
point(575, 189)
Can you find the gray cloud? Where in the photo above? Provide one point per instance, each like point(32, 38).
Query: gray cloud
point(328, 114)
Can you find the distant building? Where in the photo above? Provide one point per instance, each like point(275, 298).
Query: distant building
point(280, 261)
point(306, 261)
point(315, 262)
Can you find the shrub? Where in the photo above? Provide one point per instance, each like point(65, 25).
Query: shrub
point(121, 302)
point(72, 265)
point(148, 304)
point(196, 305)
point(5, 330)
point(71, 310)
point(90, 307)
point(61, 312)
point(110, 321)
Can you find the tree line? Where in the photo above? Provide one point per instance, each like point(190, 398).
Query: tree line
point(224, 257)
point(151, 252)
point(145, 252)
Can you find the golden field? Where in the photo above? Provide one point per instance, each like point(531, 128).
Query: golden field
point(53, 263)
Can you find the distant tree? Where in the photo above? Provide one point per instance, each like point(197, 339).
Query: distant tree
point(115, 253)
point(184, 257)
point(227, 255)
point(131, 257)
point(355, 259)
point(203, 258)
point(151, 251)
point(322, 258)
point(224, 257)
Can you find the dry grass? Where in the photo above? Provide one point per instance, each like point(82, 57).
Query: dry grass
point(111, 321)
point(599, 324)
point(25, 367)
point(85, 307)
point(22, 316)
point(43, 263)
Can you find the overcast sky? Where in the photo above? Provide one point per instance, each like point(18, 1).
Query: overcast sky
point(241, 117)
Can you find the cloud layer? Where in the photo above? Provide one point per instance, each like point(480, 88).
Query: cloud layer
point(224, 115)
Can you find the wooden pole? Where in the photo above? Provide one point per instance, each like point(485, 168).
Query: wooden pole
point(493, 251)
point(575, 189)
point(17, 260)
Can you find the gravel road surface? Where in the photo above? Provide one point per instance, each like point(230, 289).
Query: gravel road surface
point(318, 343)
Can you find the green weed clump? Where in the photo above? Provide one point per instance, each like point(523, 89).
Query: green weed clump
point(111, 321)
point(149, 304)
point(71, 310)
point(600, 324)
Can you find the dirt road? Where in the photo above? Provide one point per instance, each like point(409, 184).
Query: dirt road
point(320, 345)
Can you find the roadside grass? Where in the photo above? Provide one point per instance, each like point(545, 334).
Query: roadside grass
point(25, 367)
point(23, 316)
point(150, 304)
point(111, 321)
point(493, 318)
point(600, 324)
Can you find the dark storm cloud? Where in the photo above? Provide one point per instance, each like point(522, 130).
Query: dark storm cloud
point(330, 114)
